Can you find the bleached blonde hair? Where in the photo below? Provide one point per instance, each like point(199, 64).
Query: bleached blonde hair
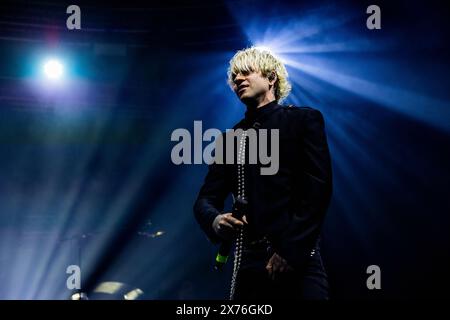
point(254, 59)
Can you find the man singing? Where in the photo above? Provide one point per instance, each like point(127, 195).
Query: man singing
point(277, 240)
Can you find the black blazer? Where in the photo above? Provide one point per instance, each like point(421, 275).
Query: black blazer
point(288, 207)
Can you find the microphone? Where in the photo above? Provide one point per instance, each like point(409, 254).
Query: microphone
point(238, 211)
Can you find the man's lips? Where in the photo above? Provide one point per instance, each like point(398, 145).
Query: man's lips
point(242, 88)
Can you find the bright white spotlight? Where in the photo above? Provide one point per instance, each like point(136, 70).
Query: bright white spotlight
point(264, 48)
point(269, 49)
point(53, 69)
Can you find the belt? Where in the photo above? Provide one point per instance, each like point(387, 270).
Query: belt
point(257, 244)
point(263, 243)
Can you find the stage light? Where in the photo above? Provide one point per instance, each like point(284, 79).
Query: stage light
point(113, 290)
point(53, 69)
point(264, 48)
point(109, 287)
point(272, 49)
point(79, 296)
point(133, 294)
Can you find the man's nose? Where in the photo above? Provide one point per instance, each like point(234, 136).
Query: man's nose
point(240, 76)
point(239, 79)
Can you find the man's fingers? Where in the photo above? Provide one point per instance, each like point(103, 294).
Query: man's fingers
point(233, 221)
point(226, 230)
point(224, 225)
point(277, 265)
point(269, 269)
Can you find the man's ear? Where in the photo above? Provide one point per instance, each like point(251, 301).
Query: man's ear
point(272, 77)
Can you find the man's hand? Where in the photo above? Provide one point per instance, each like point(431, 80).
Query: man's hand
point(276, 265)
point(227, 226)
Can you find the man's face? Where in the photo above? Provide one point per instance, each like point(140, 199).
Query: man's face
point(250, 85)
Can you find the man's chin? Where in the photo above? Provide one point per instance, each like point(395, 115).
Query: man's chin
point(245, 98)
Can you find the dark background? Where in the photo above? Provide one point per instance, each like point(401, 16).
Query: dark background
point(85, 167)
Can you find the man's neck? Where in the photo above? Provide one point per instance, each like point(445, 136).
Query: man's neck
point(255, 104)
